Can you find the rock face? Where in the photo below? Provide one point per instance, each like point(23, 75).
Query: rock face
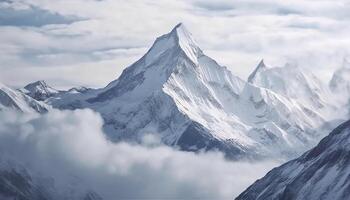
point(15, 100)
point(193, 103)
point(321, 173)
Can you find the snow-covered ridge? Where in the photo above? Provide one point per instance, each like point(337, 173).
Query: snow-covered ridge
point(16, 100)
point(321, 173)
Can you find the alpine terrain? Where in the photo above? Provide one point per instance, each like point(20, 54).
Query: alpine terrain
point(192, 103)
point(178, 93)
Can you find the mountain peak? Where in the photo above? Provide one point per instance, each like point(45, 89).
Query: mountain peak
point(261, 64)
point(168, 52)
point(179, 26)
point(40, 83)
point(178, 31)
point(184, 39)
point(39, 90)
point(175, 44)
point(261, 67)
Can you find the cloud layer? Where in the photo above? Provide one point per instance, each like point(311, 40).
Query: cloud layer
point(66, 144)
point(97, 39)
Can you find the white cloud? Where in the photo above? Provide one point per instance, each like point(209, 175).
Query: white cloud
point(237, 33)
point(66, 144)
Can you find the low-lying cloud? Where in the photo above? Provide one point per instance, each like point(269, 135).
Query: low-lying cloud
point(66, 144)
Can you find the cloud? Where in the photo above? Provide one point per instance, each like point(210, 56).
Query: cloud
point(31, 16)
point(66, 144)
point(236, 33)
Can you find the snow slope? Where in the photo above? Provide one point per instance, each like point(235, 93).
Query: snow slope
point(15, 100)
point(321, 173)
point(193, 103)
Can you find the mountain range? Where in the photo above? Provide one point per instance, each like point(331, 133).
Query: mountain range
point(178, 93)
point(191, 102)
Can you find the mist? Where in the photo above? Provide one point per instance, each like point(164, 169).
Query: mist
point(70, 147)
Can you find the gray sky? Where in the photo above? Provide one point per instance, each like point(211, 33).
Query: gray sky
point(89, 42)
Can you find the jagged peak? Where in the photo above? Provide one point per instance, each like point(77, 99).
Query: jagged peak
point(261, 67)
point(39, 90)
point(40, 83)
point(178, 38)
point(261, 64)
point(178, 27)
point(181, 32)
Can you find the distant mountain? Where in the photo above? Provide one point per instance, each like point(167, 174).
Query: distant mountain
point(193, 103)
point(321, 173)
point(294, 83)
point(16, 100)
point(39, 90)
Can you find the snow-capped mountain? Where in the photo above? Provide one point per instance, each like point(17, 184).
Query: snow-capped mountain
point(39, 90)
point(294, 83)
point(321, 173)
point(191, 102)
point(16, 100)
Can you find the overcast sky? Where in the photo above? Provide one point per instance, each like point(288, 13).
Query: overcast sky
point(89, 42)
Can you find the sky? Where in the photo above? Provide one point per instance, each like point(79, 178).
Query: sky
point(89, 42)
